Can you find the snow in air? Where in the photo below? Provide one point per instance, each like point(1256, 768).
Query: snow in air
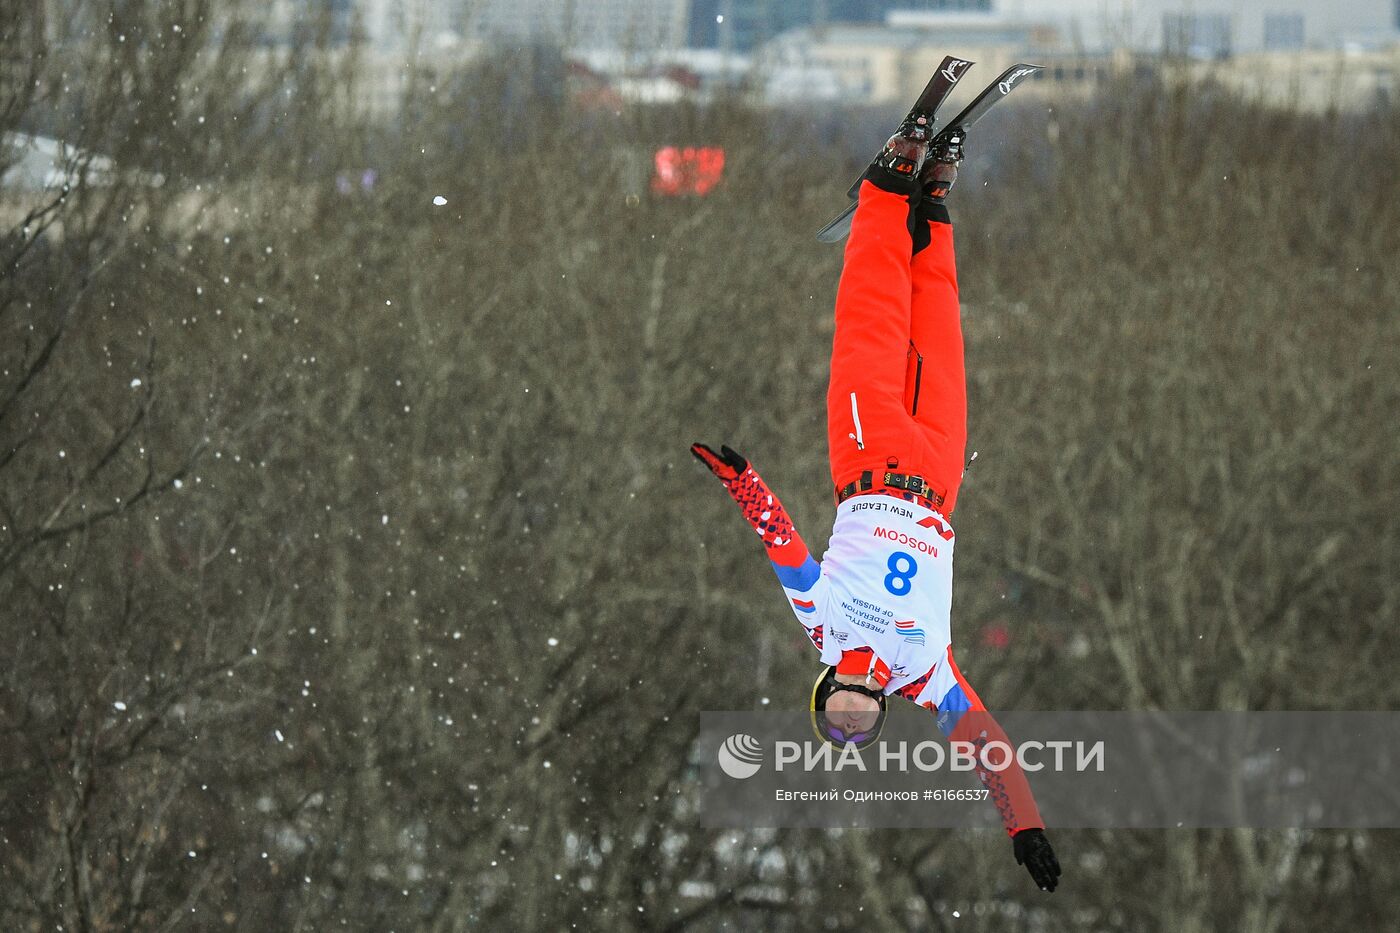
point(439, 200)
point(119, 705)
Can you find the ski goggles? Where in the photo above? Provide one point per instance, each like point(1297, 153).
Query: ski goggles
point(857, 737)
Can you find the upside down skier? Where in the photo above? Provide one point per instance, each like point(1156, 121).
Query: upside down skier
point(877, 606)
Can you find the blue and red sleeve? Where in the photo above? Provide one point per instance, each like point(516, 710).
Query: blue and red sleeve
point(963, 718)
point(1008, 789)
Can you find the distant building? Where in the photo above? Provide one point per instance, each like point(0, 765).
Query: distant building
point(742, 25)
point(628, 25)
point(1139, 25)
point(696, 74)
point(1196, 35)
point(975, 27)
point(1314, 79)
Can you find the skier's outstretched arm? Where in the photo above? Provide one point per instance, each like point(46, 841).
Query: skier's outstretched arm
point(962, 717)
point(799, 574)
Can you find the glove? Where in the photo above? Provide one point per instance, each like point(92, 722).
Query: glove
point(1033, 850)
point(727, 464)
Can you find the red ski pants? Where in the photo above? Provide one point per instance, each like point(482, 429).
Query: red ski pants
point(898, 394)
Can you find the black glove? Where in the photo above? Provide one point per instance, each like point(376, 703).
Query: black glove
point(727, 464)
point(1033, 851)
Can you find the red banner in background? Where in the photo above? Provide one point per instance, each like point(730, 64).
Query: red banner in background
point(687, 170)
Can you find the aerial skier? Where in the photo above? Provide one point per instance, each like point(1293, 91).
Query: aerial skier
point(877, 606)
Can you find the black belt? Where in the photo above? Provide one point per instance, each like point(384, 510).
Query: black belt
point(902, 481)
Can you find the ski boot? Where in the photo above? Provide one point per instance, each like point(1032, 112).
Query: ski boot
point(940, 169)
point(904, 153)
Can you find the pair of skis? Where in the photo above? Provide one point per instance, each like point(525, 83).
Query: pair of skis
point(947, 76)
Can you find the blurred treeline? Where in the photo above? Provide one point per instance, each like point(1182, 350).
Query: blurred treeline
point(354, 574)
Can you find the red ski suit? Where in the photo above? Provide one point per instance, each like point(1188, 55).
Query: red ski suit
point(897, 400)
point(898, 394)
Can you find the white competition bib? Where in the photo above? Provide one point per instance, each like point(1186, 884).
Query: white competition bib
point(890, 570)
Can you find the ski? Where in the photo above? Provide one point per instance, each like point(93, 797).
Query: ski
point(840, 225)
point(949, 73)
point(992, 93)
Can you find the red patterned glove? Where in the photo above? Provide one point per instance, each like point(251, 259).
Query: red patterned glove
point(728, 464)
